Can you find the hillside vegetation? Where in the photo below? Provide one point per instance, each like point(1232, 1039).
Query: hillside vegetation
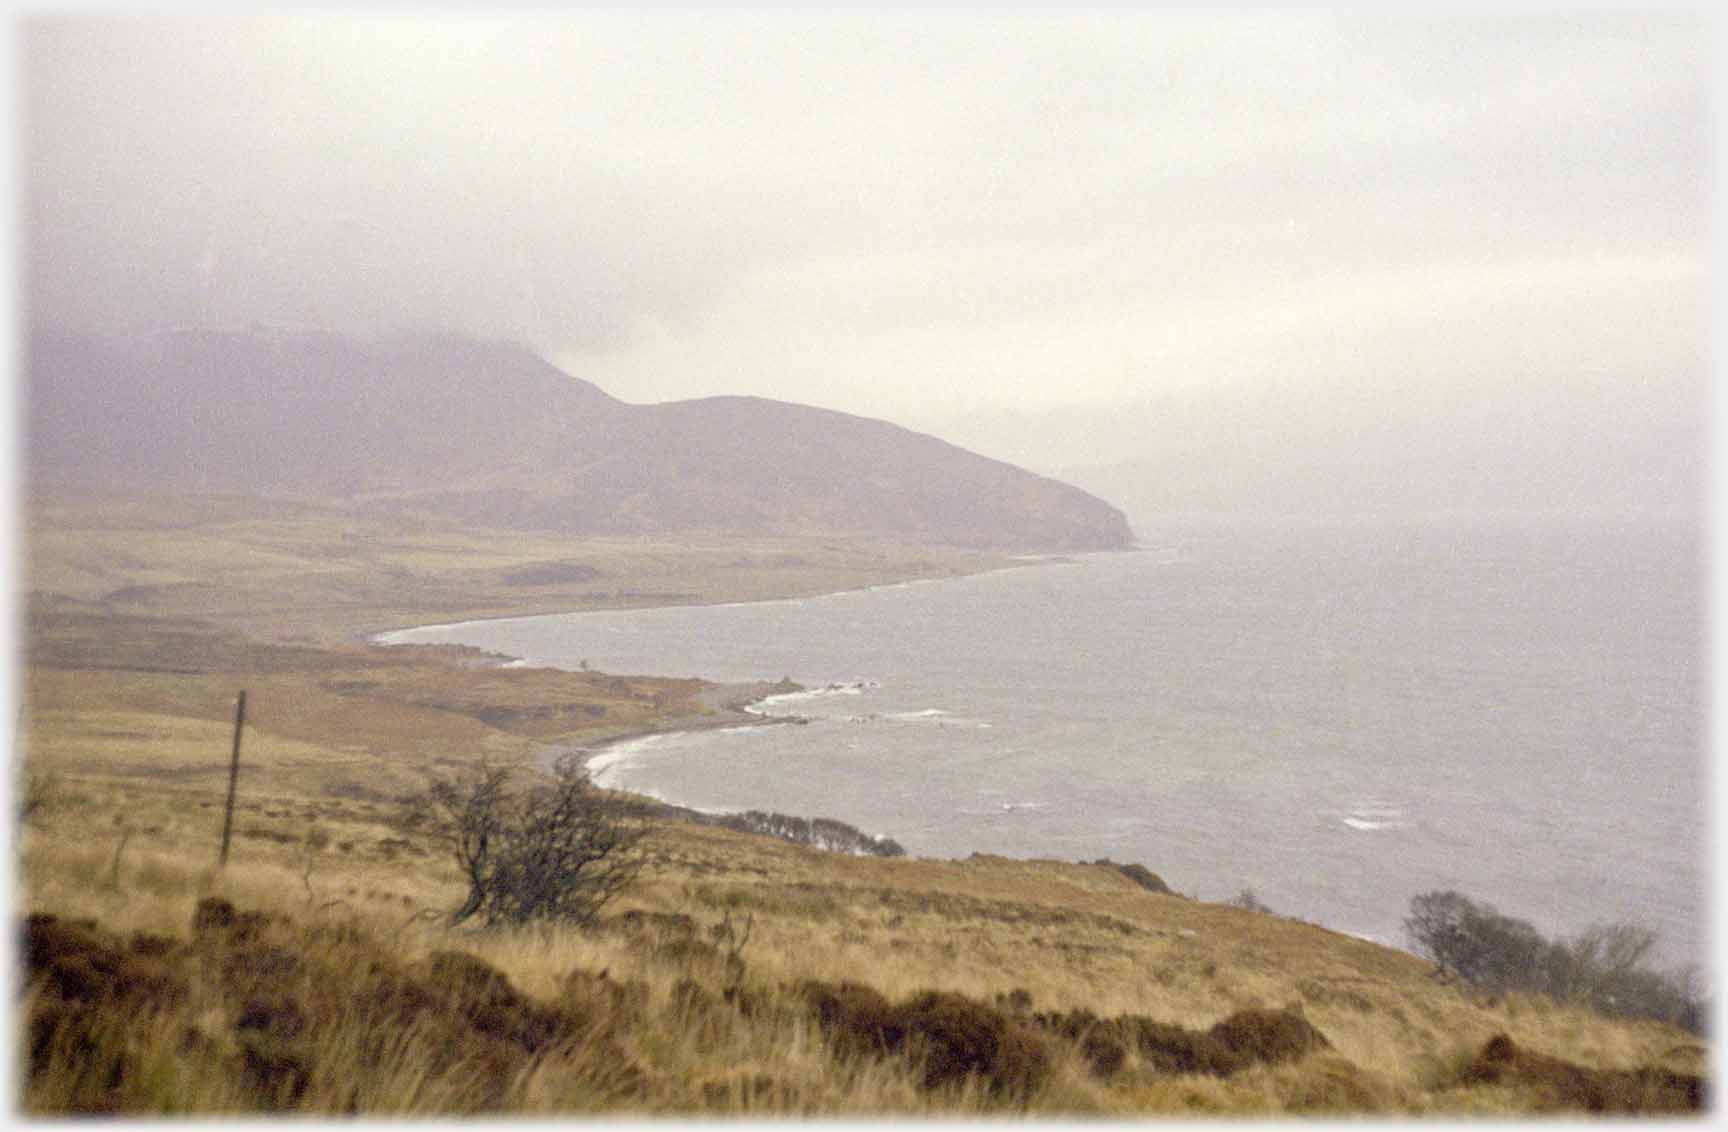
point(741, 974)
point(315, 572)
point(488, 433)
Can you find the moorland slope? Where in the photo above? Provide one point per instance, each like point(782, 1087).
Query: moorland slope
point(488, 433)
point(741, 975)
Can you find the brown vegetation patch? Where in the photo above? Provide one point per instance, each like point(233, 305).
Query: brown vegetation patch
point(78, 962)
point(469, 979)
point(85, 641)
point(1249, 1037)
point(963, 1037)
point(216, 920)
point(1564, 1086)
point(277, 1069)
point(481, 996)
point(156, 946)
point(957, 1036)
point(88, 983)
point(1140, 875)
point(1268, 1036)
point(1103, 1044)
point(1167, 1048)
point(855, 1017)
point(278, 1015)
point(292, 991)
point(1161, 1046)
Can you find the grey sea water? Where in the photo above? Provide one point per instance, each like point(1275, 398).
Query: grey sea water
point(1337, 714)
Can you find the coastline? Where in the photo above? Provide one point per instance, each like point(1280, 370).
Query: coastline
point(728, 709)
point(375, 637)
point(727, 704)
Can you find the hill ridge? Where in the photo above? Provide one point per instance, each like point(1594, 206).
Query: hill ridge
point(473, 429)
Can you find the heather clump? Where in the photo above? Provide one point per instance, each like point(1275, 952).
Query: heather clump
point(1248, 1037)
point(750, 977)
point(952, 1036)
point(1565, 1086)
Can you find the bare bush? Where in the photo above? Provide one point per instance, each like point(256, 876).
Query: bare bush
point(1246, 899)
point(1603, 967)
point(1475, 942)
point(557, 848)
point(1600, 959)
point(822, 833)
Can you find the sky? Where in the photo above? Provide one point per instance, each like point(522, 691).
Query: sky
point(1055, 238)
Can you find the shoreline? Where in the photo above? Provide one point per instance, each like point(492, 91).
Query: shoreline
point(728, 703)
point(374, 637)
point(729, 710)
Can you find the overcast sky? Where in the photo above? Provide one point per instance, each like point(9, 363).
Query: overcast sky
point(928, 219)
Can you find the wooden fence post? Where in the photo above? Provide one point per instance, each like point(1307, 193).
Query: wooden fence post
point(233, 778)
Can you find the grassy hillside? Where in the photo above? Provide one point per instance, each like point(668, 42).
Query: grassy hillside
point(485, 432)
point(656, 1017)
point(322, 573)
point(317, 973)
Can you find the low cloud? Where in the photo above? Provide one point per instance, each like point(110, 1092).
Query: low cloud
point(910, 216)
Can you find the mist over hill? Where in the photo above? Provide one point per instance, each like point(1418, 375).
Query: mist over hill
point(1444, 441)
point(489, 431)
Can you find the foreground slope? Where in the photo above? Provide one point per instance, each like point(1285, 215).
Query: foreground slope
point(745, 976)
point(742, 975)
point(489, 432)
point(317, 972)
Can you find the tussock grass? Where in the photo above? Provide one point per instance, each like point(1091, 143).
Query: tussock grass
point(360, 999)
point(335, 986)
point(309, 572)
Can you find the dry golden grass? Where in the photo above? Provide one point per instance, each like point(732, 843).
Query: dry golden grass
point(128, 708)
point(330, 575)
point(1067, 936)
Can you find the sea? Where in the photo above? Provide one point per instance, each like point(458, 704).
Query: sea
point(1336, 714)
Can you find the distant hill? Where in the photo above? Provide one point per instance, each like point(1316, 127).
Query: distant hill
point(452, 426)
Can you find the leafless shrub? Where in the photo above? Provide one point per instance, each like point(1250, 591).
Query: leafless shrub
point(822, 833)
point(1604, 967)
point(554, 849)
point(1248, 900)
